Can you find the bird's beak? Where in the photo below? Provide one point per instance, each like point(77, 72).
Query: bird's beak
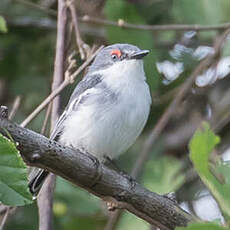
point(139, 54)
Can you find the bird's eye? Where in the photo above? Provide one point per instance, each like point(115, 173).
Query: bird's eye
point(115, 54)
point(114, 57)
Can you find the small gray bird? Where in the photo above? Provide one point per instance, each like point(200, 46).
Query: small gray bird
point(108, 108)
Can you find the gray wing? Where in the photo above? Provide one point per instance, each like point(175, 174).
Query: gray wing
point(79, 96)
point(86, 83)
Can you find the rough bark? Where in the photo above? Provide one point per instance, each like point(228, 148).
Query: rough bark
point(86, 172)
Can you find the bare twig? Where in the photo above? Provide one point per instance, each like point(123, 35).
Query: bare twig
point(44, 125)
point(113, 220)
point(5, 218)
point(83, 48)
point(67, 81)
point(45, 198)
point(45, 203)
point(143, 156)
point(59, 58)
point(121, 23)
point(15, 107)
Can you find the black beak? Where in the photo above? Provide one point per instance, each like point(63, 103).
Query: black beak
point(139, 54)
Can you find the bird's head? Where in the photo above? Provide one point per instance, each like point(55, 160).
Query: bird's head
point(118, 55)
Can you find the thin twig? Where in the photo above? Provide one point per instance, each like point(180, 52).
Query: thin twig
point(143, 156)
point(5, 218)
point(15, 107)
point(66, 82)
point(121, 23)
point(44, 125)
point(83, 48)
point(45, 198)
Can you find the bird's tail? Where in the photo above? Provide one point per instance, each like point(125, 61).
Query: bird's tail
point(36, 179)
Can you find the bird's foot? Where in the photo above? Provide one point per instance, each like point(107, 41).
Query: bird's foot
point(97, 166)
point(110, 163)
point(132, 180)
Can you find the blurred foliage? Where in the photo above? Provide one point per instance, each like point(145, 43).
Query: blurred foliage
point(14, 189)
point(202, 226)
point(204, 12)
point(27, 47)
point(164, 177)
point(3, 27)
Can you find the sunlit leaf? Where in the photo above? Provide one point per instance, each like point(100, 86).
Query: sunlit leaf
point(201, 146)
point(13, 175)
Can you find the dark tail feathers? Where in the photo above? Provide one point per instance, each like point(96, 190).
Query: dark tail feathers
point(36, 180)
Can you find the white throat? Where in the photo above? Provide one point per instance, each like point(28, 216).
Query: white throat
point(125, 72)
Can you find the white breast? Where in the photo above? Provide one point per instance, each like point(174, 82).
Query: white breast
point(110, 129)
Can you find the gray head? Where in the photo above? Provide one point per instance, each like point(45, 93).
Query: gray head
point(112, 54)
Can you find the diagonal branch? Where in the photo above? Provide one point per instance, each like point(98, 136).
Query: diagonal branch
point(86, 172)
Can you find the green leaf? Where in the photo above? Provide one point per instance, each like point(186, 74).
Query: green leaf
point(123, 10)
point(13, 175)
point(202, 226)
point(164, 176)
point(201, 146)
point(224, 169)
point(3, 27)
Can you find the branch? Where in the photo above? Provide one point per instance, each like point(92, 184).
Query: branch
point(15, 107)
point(86, 172)
point(121, 23)
point(83, 48)
point(59, 57)
point(5, 217)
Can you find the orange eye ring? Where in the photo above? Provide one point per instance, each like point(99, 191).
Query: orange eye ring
point(116, 52)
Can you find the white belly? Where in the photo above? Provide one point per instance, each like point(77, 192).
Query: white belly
point(110, 129)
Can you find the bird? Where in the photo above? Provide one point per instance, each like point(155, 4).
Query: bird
point(108, 109)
